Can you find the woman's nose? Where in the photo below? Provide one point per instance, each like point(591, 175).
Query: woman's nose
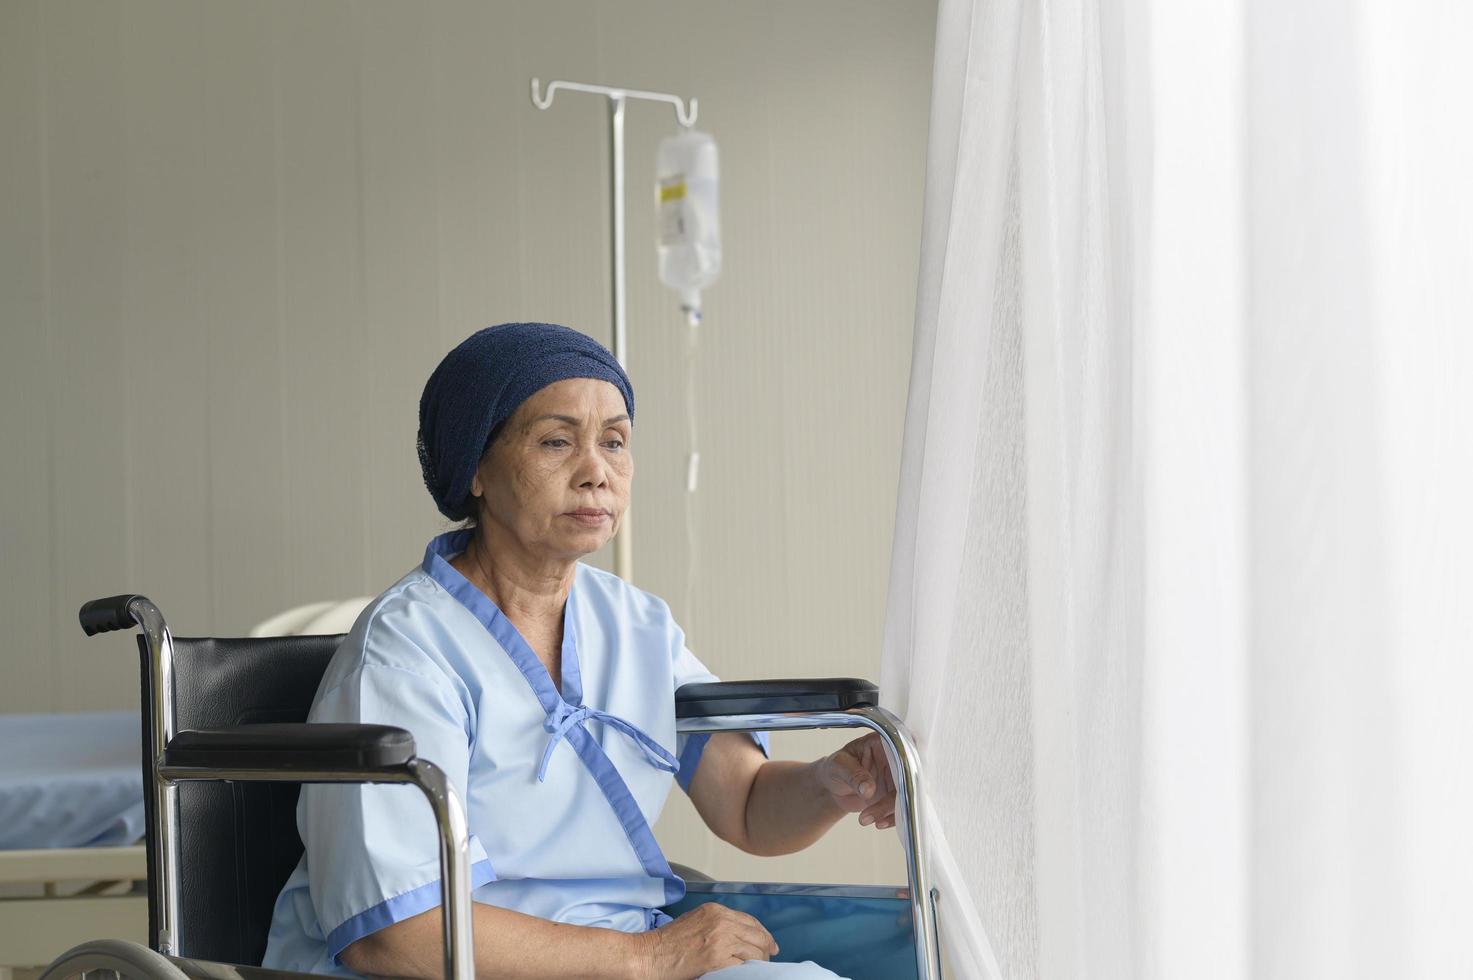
point(592, 471)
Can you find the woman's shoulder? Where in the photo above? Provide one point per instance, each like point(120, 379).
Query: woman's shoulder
point(608, 592)
point(398, 651)
point(404, 627)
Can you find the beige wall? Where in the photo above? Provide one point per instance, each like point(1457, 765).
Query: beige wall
point(235, 238)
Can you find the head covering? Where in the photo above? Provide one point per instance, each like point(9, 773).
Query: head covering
point(482, 382)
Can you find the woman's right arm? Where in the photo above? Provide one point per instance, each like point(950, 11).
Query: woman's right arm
point(514, 945)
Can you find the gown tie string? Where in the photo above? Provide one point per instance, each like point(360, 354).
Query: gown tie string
point(562, 719)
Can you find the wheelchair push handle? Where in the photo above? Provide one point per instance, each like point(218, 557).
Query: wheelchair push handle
point(105, 615)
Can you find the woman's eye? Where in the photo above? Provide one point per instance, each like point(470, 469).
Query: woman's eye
point(556, 443)
point(614, 444)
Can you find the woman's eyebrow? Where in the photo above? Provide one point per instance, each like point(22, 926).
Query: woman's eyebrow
point(570, 420)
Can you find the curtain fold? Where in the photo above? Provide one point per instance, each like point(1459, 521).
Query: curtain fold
point(1180, 593)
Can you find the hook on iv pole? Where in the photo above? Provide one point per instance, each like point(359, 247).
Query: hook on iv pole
point(685, 113)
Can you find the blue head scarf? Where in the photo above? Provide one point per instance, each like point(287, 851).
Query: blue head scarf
point(482, 382)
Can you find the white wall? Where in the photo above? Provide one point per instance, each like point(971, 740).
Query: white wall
point(235, 239)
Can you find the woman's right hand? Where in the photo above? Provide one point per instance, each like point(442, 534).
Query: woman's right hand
point(706, 938)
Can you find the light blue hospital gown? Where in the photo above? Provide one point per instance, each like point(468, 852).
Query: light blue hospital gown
point(561, 788)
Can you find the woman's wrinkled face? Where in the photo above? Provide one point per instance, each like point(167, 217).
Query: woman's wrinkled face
point(557, 477)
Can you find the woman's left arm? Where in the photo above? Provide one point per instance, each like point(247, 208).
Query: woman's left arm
point(778, 807)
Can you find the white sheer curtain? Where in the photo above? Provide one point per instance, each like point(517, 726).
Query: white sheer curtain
point(1182, 592)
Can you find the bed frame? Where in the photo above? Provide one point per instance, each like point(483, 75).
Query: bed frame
point(54, 898)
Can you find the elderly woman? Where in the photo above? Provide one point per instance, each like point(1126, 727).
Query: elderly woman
point(544, 688)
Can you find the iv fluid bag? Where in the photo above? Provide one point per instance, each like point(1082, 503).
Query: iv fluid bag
point(688, 222)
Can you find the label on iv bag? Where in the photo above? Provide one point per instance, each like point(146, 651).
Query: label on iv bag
point(672, 217)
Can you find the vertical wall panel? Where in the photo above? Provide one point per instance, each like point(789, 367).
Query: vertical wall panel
point(401, 287)
point(90, 438)
point(25, 416)
point(562, 201)
point(479, 105)
point(166, 366)
point(239, 268)
point(867, 88)
point(322, 417)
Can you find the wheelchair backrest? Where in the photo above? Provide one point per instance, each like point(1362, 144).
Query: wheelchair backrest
point(238, 841)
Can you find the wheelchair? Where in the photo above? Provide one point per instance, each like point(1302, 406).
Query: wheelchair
point(226, 746)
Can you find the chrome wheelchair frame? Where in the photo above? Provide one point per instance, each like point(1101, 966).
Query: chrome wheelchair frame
point(314, 753)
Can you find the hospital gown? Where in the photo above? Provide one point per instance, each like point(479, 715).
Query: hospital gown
point(561, 786)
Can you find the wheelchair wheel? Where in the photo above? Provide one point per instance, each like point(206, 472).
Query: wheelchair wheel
point(112, 959)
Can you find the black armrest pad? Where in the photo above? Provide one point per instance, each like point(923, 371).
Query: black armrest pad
point(322, 747)
point(773, 697)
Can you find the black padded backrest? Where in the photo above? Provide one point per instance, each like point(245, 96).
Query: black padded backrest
point(238, 841)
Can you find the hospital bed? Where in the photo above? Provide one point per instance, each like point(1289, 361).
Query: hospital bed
point(225, 747)
point(71, 818)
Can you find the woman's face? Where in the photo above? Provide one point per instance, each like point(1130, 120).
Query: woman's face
point(557, 477)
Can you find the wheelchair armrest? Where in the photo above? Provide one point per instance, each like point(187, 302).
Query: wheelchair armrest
point(293, 748)
point(774, 697)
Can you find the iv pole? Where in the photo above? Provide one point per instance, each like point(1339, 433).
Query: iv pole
point(623, 549)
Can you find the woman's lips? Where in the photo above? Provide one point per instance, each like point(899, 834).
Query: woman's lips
point(590, 516)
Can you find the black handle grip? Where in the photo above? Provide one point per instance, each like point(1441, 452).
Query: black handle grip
point(105, 615)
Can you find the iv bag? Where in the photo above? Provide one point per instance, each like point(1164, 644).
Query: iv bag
point(688, 222)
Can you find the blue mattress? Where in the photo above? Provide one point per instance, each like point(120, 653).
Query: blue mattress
point(71, 780)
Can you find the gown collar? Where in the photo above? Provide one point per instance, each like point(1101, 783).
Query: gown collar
point(564, 709)
point(437, 566)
